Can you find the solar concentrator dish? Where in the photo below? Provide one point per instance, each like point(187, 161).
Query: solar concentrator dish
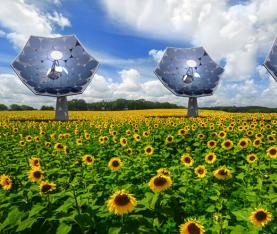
point(271, 61)
point(188, 72)
point(55, 66)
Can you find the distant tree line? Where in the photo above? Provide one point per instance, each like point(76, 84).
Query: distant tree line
point(119, 104)
point(243, 109)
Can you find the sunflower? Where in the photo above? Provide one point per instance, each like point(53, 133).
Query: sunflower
point(46, 187)
point(243, 143)
point(210, 158)
point(35, 175)
point(222, 173)
point(200, 171)
point(257, 142)
point(28, 138)
point(272, 152)
point(169, 139)
point(136, 137)
point(187, 160)
point(271, 138)
point(115, 163)
point(146, 134)
point(121, 203)
point(260, 217)
point(163, 171)
point(101, 140)
point(22, 143)
point(160, 183)
point(34, 162)
point(201, 136)
point(6, 182)
point(148, 150)
point(37, 138)
point(227, 144)
point(87, 136)
point(47, 144)
point(129, 151)
point(192, 227)
point(181, 132)
point(79, 141)
point(59, 147)
point(251, 158)
point(123, 141)
point(211, 144)
point(88, 159)
point(221, 134)
point(259, 135)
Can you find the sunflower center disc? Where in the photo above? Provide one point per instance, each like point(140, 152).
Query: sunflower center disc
point(193, 229)
point(160, 181)
point(122, 200)
point(260, 215)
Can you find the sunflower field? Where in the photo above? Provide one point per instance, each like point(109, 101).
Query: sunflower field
point(148, 171)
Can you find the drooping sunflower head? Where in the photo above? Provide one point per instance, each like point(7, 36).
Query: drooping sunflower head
point(200, 171)
point(88, 159)
point(115, 163)
point(169, 139)
point(187, 160)
point(272, 152)
point(46, 187)
point(210, 158)
point(34, 162)
point(160, 183)
point(6, 182)
point(260, 217)
point(148, 150)
point(251, 158)
point(163, 171)
point(35, 175)
point(121, 203)
point(211, 144)
point(222, 173)
point(227, 144)
point(192, 227)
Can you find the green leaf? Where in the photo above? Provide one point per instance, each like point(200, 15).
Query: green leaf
point(26, 224)
point(114, 230)
point(211, 208)
point(13, 218)
point(35, 210)
point(63, 228)
point(241, 215)
point(238, 229)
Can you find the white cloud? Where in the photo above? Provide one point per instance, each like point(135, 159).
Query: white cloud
point(59, 19)
point(156, 54)
point(2, 33)
point(20, 20)
point(237, 33)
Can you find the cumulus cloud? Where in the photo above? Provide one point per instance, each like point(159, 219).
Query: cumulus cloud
point(236, 33)
point(19, 20)
point(59, 19)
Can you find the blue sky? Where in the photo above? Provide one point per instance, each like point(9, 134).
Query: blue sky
point(128, 38)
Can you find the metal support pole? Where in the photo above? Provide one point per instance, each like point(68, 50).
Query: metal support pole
point(61, 109)
point(192, 107)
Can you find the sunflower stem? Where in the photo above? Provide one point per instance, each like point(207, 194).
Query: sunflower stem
point(76, 201)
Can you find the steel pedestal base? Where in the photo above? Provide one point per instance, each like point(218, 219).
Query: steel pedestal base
point(192, 107)
point(61, 109)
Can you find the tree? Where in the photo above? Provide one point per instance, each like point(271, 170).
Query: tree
point(3, 107)
point(47, 108)
point(14, 107)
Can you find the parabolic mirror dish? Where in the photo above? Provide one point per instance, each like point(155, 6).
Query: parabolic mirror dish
point(55, 66)
point(271, 61)
point(188, 72)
